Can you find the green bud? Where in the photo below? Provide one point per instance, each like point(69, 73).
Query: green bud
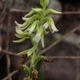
point(44, 3)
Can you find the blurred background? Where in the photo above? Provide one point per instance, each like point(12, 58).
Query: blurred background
point(65, 49)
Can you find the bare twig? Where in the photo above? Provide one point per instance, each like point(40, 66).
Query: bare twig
point(70, 13)
point(10, 75)
point(63, 13)
point(1, 55)
point(64, 57)
point(55, 43)
point(0, 39)
point(45, 67)
point(9, 53)
point(18, 10)
point(13, 3)
point(7, 47)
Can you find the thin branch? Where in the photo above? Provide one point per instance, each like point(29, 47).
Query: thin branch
point(10, 75)
point(18, 10)
point(10, 53)
point(55, 43)
point(45, 67)
point(7, 48)
point(70, 13)
point(63, 13)
point(64, 57)
point(0, 39)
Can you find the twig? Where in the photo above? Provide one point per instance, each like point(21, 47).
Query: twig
point(18, 11)
point(1, 44)
point(10, 53)
point(55, 43)
point(0, 39)
point(10, 75)
point(45, 67)
point(64, 57)
point(13, 3)
point(70, 13)
point(63, 13)
point(7, 47)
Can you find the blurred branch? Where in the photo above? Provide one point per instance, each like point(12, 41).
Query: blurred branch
point(7, 47)
point(70, 13)
point(59, 40)
point(64, 57)
point(9, 53)
point(63, 13)
point(10, 75)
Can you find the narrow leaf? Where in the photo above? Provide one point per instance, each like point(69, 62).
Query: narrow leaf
point(26, 69)
point(20, 40)
point(30, 13)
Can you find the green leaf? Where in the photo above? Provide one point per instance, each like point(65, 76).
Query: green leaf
point(23, 52)
point(44, 3)
point(38, 34)
point(26, 19)
point(32, 27)
point(19, 36)
point(51, 11)
point(52, 26)
point(26, 69)
point(37, 59)
point(30, 13)
point(31, 51)
point(20, 40)
point(20, 32)
point(37, 9)
point(42, 40)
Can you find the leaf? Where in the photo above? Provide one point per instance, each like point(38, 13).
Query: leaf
point(45, 25)
point(38, 34)
point(51, 11)
point(37, 59)
point(30, 13)
point(22, 33)
point(29, 22)
point(19, 36)
point(26, 69)
point(52, 26)
point(20, 40)
point(42, 40)
point(25, 19)
point(31, 51)
point(20, 25)
point(37, 9)
point(32, 27)
point(44, 3)
point(23, 52)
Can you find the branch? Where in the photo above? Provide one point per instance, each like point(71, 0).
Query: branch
point(10, 75)
point(64, 57)
point(63, 13)
point(55, 43)
point(10, 53)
